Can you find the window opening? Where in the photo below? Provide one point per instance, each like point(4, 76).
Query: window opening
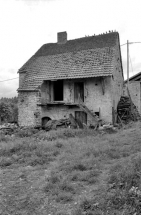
point(97, 113)
point(58, 90)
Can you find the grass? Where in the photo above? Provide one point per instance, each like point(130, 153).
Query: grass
point(71, 172)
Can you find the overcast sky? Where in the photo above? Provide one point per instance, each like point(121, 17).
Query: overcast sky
point(25, 25)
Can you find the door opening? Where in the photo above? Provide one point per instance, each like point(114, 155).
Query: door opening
point(78, 92)
point(58, 90)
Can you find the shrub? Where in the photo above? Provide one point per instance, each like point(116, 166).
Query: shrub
point(26, 132)
point(4, 138)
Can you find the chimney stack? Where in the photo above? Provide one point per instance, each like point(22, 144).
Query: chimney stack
point(62, 37)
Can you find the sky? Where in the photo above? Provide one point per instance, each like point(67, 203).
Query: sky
point(25, 25)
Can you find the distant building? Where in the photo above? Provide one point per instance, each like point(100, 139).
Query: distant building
point(60, 76)
point(135, 90)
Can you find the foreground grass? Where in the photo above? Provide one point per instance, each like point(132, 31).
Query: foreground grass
point(71, 172)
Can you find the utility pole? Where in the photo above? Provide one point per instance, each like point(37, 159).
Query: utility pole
point(127, 64)
point(128, 59)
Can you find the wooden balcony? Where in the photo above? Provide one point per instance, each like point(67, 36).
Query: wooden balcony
point(53, 103)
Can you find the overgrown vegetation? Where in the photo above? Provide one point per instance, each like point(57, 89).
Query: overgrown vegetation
point(71, 172)
point(9, 110)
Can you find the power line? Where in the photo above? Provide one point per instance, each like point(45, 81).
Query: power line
point(9, 79)
point(123, 44)
point(129, 43)
point(120, 45)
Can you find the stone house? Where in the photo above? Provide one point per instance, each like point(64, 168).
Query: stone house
point(135, 90)
point(61, 76)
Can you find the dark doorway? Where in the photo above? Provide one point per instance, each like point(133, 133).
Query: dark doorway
point(45, 120)
point(58, 90)
point(78, 92)
point(81, 117)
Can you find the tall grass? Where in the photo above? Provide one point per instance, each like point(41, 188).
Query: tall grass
point(72, 172)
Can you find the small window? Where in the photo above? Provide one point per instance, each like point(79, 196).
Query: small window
point(97, 113)
point(58, 90)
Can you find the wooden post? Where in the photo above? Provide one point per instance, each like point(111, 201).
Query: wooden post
point(113, 115)
point(127, 64)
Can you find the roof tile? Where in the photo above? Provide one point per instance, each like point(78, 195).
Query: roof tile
point(80, 58)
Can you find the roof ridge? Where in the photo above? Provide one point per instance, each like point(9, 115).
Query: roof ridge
point(86, 37)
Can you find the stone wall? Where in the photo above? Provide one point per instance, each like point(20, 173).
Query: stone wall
point(135, 93)
point(46, 92)
point(21, 78)
point(29, 113)
point(99, 100)
point(94, 99)
point(97, 97)
point(117, 79)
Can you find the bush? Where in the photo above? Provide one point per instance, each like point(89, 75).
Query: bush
point(26, 132)
point(4, 138)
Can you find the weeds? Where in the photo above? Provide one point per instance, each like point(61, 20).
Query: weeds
point(28, 152)
point(5, 162)
point(64, 134)
point(26, 132)
point(64, 197)
point(72, 172)
point(125, 185)
point(60, 188)
point(4, 138)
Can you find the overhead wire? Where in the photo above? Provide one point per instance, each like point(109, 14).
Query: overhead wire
point(120, 45)
point(129, 43)
point(123, 44)
point(9, 79)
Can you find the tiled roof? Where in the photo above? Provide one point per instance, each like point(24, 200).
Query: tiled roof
point(80, 58)
point(136, 77)
point(93, 42)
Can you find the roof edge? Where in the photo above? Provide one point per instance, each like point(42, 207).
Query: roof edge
point(31, 90)
point(132, 77)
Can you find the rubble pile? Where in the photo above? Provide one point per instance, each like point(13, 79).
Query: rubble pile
point(62, 123)
point(53, 124)
point(127, 111)
point(8, 128)
point(71, 122)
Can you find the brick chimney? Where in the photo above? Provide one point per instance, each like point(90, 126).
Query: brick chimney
point(62, 37)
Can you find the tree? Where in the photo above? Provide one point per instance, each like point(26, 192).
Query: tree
point(5, 111)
